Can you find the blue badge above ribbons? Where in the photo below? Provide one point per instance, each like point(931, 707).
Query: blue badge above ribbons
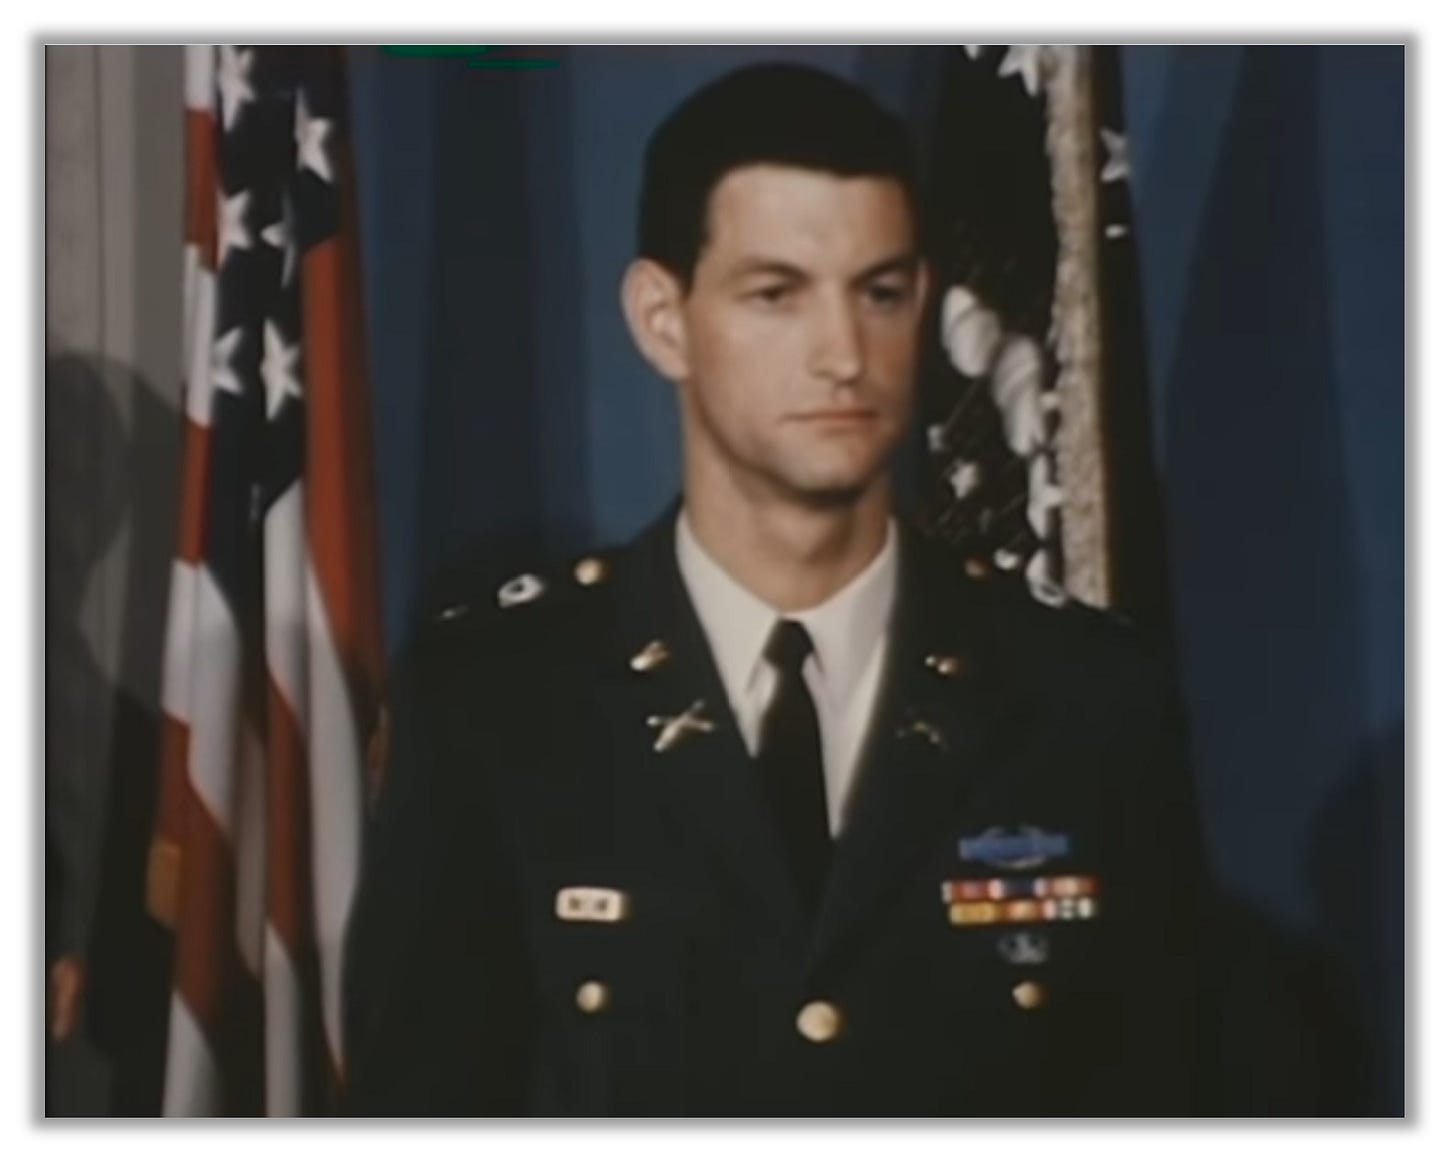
point(1026, 847)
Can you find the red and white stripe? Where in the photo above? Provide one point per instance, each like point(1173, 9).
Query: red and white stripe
point(257, 843)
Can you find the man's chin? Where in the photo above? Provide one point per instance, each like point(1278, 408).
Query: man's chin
point(830, 493)
point(832, 498)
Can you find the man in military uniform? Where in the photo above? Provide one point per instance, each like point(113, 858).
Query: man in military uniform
point(775, 810)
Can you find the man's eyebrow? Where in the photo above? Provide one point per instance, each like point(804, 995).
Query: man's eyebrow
point(901, 263)
point(748, 266)
point(764, 265)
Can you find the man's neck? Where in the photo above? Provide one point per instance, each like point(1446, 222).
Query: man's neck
point(793, 557)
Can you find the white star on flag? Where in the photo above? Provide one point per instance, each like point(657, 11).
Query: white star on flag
point(1024, 59)
point(973, 51)
point(281, 235)
point(234, 83)
point(1117, 167)
point(279, 369)
point(233, 230)
point(224, 350)
point(310, 134)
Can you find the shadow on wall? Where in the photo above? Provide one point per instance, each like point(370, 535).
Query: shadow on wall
point(1311, 1026)
point(100, 800)
point(1356, 869)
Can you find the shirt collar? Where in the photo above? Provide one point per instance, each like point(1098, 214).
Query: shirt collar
point(845, 628)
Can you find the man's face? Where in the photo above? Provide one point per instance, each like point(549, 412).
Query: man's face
point(800, 331)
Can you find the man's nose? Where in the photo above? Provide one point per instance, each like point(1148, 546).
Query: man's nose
point(838, 352)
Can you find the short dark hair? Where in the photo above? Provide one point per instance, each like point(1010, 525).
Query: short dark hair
point(786, 114)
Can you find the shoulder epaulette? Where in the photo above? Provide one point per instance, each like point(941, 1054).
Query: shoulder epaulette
point(540, 588)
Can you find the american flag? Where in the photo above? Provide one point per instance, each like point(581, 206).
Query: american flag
point(273, 662)
point(1038, 439)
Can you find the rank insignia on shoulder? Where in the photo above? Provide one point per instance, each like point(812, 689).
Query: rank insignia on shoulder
point(947, 666)
point(591, 903)
point(925, 730)
point(652, 656)
point(521, 589)
point(1027, 847)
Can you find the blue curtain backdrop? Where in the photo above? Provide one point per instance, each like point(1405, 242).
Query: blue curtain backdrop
point(498, 208)
point(1270, 191)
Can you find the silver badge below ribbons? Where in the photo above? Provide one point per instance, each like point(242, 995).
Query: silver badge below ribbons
point(1024, 947)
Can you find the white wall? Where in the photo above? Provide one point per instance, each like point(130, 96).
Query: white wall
point(113, 232)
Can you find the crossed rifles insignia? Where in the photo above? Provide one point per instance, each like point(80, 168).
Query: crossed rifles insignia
point(672, 730)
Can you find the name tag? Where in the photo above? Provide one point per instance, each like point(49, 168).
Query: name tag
point(591, 903)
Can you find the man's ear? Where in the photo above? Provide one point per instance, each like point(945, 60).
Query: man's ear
point(653, 305)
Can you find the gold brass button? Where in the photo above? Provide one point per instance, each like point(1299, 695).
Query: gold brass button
point(819, 1021)
point(592, 996)
point(590, 571)
point(1029, 995)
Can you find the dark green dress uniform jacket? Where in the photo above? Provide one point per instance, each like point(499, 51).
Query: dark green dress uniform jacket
point(524, 763)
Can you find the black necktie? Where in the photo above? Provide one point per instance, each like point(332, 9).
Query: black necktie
point(791, 763)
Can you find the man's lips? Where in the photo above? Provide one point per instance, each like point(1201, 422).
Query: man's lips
point(838, 416)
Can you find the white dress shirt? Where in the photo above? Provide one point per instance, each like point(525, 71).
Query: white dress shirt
point(849, 631)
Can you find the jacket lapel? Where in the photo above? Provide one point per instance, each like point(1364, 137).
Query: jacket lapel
point(701, 770)
point(930, 744)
